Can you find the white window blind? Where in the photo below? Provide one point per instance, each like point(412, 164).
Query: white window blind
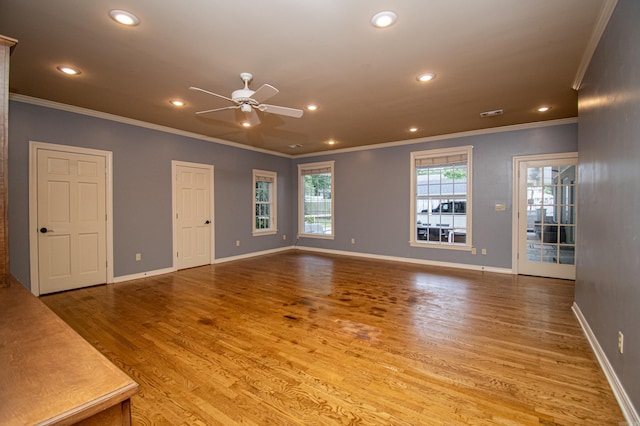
point(441, 160)
point(315, 171)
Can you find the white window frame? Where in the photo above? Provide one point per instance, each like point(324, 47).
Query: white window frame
point(272, 178)
point(433, 153)
point(327, 166)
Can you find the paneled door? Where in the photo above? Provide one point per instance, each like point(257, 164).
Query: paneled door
point(193, 220)
point(72, 221)
point(547, 217)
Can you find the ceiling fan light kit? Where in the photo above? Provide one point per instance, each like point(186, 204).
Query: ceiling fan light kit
point(250, 101)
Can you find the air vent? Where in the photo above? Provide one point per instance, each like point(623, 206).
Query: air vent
point(491, 113)
point(295, 145)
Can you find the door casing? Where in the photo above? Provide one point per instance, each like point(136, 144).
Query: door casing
point(33, 205)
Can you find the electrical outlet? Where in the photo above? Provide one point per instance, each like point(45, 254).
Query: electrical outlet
point(353, 240)
point(138, 257)
point(284, 237)
point(484, 252)
point(237, 243)
point(473, 250)
point(620, 342)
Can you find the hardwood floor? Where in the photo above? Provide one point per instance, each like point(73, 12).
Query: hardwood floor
point(307, 339)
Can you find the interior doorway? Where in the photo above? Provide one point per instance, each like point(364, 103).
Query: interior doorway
point(193, 221)
point(545, 230)
point(69, 217)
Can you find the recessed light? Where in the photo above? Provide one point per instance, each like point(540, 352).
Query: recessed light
point(428, 76)
point(123, 17)
point(413, 129)
point(312, 107)
point(177, 103)
point(68, 70)
point(246, 124)
point(544, 109)
point(384, 19)
point(331, 142)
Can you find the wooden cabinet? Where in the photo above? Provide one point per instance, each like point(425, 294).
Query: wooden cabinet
point(6, 44)
point(49, 375)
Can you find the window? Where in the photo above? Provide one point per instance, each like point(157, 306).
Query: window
point(315, 201)
point(441, 198)
point(264, 202)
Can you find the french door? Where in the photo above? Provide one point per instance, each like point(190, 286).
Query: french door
point(546, 220)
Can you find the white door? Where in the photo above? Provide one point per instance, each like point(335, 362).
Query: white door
point(193, 219)
point(547, 217)
point(71, 220)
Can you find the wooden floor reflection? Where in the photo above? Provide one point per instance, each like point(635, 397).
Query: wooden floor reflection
point(297, 338)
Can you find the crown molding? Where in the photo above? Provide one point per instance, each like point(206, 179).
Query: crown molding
point(133, 122)
point(491, 130)
point(139, 123)
point(596, 35)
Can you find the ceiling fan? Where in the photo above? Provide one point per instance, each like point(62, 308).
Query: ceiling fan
point(248, 101)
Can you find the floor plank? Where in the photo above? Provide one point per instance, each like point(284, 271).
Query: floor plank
point(298, 338)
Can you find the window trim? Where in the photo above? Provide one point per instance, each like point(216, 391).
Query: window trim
point(273, 229)
point(309, 166)
point(413, 240)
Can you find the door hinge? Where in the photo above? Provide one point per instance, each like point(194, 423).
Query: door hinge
point(178, 254)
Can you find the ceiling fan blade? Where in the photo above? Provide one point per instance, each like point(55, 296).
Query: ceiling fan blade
point(264, 92)
point(253, 118)
point(274, 109)
point(210, 93)
point(217, 109)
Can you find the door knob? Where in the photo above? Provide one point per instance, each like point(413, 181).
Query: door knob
point(45, 230)
point(207, 222)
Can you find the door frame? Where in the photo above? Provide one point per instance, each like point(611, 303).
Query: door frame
point(174, 200)
point(33, 205)
point(517, 160)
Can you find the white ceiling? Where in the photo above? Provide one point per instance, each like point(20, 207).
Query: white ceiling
point(513, 55)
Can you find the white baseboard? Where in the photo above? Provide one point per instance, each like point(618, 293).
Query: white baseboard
point(253, 254)
point(143, 275)
point(628, 410)
point(409, 260)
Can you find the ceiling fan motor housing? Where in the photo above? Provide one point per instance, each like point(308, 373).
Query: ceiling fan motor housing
point(242, 95)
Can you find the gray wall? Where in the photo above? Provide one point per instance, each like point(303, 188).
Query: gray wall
point(142, 187)
point(607, 285)
point(372, 195)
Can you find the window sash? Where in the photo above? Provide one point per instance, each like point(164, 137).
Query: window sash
point(441, 198)
point(264, 202)
point(316, 204)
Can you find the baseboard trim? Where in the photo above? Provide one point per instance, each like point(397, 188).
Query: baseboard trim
point(409, 260)
point(146, 274)
point(253, 254)
point(628, 410)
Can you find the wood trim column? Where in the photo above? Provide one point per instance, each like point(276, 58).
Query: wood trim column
point(6, 45)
